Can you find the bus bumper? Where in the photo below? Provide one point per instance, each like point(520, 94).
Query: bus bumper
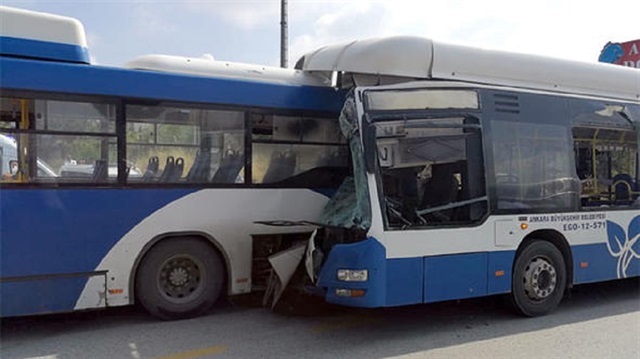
point(355, 274)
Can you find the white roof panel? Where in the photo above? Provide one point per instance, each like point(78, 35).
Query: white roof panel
point(420, 58)
point(32, 25)
point(403, 56)
point(212, 68)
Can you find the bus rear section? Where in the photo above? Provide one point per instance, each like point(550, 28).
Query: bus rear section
point(143, 184)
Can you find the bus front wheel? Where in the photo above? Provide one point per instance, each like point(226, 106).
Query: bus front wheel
point(539, 279)
point(179, 278)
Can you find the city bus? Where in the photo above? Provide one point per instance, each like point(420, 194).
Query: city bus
point(143, 183)
point(476, 173)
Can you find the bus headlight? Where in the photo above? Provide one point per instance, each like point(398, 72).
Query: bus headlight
point(353, 275)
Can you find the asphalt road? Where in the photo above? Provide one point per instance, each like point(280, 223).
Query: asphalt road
point(597, 321)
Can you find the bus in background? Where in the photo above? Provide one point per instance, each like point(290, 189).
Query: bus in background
point(477, 173)
point(156, 172)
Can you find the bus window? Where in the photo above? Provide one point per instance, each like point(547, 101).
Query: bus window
point(431, 171)
point(532, 169)
point(182, 144)
point(288, 146)
point(60, 141)
point(606, 163)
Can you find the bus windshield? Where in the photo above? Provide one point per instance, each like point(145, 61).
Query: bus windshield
point(428, 145)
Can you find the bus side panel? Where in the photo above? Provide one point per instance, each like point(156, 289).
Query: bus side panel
point(594, 263)
point(404, 281)
point(69, 231)
point(455, 276)
point(500, 272)
point(64, 234)
point(46, 295)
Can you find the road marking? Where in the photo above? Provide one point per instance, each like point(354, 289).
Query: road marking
point(197, 352)
point(134, 351)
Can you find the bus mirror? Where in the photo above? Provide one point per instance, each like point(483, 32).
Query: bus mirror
point(370, 147)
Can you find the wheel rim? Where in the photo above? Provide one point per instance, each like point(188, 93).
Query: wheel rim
point(180, 278)
point(540, 279)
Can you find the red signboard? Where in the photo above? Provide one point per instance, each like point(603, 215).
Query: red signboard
point(622, 53)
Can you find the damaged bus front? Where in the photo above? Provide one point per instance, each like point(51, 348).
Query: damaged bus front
point(335, 259)
point(397, 151)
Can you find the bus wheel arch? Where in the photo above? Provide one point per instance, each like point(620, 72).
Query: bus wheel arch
point(180, 275)
point(542, 272)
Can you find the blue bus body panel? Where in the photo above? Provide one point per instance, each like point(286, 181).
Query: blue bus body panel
point(32, 75)
point(48, 234)
point(594, 263)
point(13, 46)
point(405, 281)
point(455, 277)
point(499, 271)
point(41, 296)
point(368, 254)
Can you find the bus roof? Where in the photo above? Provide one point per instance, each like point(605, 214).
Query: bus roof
point(40, 35)
point(45, 52)
point(36, 35)
point(210, 67)
point(58, 77)
point(407, 57)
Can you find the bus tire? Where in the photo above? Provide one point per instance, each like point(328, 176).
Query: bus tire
point(179, 278)
point(539, 279)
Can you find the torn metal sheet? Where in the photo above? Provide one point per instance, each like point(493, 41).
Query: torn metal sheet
point(284, 265)
point(308, 261)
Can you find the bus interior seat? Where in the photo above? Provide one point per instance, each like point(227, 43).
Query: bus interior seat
point(623, 188)
point(168, 169)
point(229, 168)
point(331, 159)
point(282, 165)
point(199, 171)
point(440, 189)
point(152, 169)
point(100, 171)
point(176, 170)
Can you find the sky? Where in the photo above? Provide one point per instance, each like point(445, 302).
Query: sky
point(249, 30)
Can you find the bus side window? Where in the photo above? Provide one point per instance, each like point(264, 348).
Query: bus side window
point(606, 163)
point(296, 151)
point(185, 144)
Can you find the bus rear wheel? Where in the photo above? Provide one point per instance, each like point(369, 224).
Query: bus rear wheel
point(539, 279)
point(179, 278)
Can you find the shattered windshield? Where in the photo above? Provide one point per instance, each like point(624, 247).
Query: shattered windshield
point(349, 207)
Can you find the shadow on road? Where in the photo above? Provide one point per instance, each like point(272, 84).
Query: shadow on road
point(323, 330)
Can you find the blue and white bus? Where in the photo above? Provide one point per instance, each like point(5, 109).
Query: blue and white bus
point(143, 183)
point(475, 173)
